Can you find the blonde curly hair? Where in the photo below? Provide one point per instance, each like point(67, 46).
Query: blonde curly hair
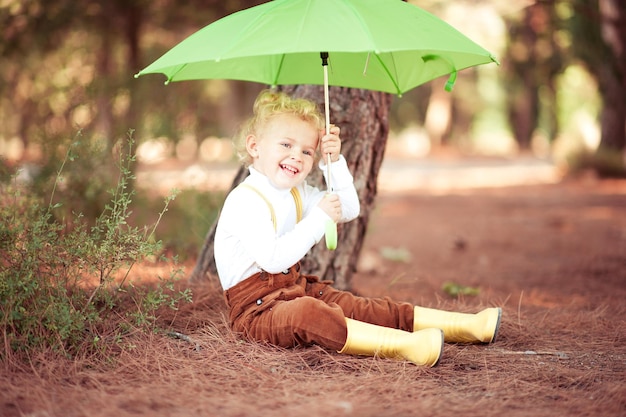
point(267, 105)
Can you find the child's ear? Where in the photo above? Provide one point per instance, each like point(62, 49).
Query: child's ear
point(252, 146)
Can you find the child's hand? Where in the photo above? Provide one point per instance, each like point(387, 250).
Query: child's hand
point(331, 144)
point(331, 206)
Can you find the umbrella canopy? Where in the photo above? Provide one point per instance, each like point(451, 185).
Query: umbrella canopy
point(383, 45)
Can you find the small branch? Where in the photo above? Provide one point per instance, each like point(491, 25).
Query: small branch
point(181, 336)
point(560, 355)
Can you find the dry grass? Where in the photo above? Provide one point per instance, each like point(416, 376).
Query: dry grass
point(542, 365)
point(561, 350)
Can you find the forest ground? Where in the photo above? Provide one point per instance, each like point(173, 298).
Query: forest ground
point(550, 252)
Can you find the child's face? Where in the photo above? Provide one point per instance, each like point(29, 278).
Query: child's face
point(284, 150)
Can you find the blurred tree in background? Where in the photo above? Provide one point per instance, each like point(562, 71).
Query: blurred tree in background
point(598, 30)
point(534, 60)
point(68, 66)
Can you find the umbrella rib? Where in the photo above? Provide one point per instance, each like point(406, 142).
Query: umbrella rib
point(171, 77)
point(391, 77)
point(278, 70)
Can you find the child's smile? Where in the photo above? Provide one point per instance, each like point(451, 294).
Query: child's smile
point(290, 170)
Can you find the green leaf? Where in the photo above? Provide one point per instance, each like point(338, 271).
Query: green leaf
point(454, 289)
point(395, 254)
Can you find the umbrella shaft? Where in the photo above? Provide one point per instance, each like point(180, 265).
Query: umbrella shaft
point(327, 113)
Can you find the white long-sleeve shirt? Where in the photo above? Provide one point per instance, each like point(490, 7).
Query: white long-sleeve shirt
point(245, 239)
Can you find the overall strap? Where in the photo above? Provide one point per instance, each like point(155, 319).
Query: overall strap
point(296, 198)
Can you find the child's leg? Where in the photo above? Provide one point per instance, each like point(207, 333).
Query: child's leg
point(481, 327)
point(301, 321)
point(379, 311)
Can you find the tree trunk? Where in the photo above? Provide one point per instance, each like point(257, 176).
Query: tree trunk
point(364, 120)
point(134, 20)
point(523, 98)
point(104, 83)
point(205, 265)
point(599, 38)
point(534, 60)
point(613, 113)
point(612, 77)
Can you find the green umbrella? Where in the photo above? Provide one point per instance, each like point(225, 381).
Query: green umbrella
point(383, 45)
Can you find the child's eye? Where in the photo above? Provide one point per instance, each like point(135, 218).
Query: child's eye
point(285, 145)
point(308, 153)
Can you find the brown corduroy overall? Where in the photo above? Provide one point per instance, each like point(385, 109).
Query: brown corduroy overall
point(289, 309)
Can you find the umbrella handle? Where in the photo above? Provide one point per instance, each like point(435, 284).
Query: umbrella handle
point(331, 226)
point(330, 234)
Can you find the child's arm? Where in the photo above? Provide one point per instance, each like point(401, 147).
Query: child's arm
point(246, 220)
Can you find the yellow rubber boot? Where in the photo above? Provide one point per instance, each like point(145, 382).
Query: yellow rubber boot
point(422, 348)
point(481, 327)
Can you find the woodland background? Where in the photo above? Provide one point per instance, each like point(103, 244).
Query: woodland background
point(67, 81)
point(67, 88)
point(69, 66)
point(97, 318)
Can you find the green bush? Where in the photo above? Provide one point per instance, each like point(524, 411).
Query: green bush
point(61, 279)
